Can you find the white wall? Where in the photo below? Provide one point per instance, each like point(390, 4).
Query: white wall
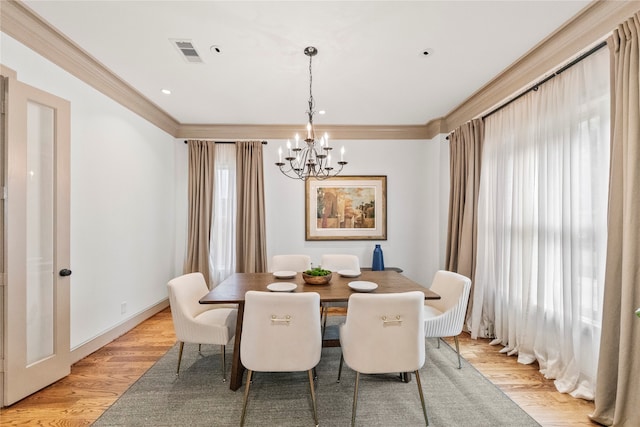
point(444, 196)
point(123, 197)
point(416, 180)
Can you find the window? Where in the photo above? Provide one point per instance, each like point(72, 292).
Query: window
point(222, 245)
point(542, 212)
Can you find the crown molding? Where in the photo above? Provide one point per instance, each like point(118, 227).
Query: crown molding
point(584, 30)
point(435, 127)
point(236, 131)
point(24, 25)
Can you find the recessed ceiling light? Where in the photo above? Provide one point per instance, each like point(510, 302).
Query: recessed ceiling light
point(321, 112)
point(215, 49)
point(166, 91)
point(426, 52)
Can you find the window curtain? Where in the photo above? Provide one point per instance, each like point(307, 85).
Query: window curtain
point(542, 211)
point(465, 155)
point(223, 230)
point(200, 194)
point(618, 393)
point(251, 252)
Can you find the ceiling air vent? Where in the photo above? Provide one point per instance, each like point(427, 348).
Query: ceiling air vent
point(187, 50)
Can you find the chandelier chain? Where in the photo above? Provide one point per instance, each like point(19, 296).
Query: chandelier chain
point(311, 101)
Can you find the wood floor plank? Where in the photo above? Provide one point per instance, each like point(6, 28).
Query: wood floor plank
point(99, 379)
point(525, 385)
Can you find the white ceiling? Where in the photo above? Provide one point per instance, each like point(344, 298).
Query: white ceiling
point(370, 69)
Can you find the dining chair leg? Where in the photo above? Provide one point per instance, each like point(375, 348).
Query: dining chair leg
point(424, 407)
point(438, 340)
point(199, 348)
point(340, 367)
point(313, 397)
point(246, 396)
point(223, 350)
point(180, 357)
point(458, 351)
point(355, 400)
point(323, 317)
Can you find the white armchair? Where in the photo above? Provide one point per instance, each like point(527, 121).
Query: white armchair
point(199, 323)
point(281, 333)
point(384, 333)
point(295, 263)
point(336, 262)
point(445, 317)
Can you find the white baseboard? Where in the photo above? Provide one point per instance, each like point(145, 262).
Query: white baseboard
point(100, 341)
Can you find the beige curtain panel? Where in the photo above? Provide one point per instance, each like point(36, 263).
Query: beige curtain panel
point(465, 160)
point(251, 252)
point(617, 400)
point(201, 180)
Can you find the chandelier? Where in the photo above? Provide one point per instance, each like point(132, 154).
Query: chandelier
point(310, 158)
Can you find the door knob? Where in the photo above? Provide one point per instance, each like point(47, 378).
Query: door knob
point(65, 272)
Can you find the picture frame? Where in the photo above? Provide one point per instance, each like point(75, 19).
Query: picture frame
point(346, 208)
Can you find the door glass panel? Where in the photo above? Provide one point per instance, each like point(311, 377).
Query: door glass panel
point(40, 275)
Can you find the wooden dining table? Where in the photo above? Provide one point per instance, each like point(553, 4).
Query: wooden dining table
point(233, 289)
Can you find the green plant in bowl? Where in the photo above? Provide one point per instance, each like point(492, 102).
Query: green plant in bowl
point(317, 276)
point(317, 271)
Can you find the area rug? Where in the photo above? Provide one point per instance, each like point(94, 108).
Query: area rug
point(198, 397)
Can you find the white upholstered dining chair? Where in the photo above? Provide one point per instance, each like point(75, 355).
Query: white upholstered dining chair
point(336, 262)
point(295, 263)
point(281, 333)
point(199, 323)
point(445, 317)
point(384, 333)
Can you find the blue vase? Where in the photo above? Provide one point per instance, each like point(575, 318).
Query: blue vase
point(378, 259)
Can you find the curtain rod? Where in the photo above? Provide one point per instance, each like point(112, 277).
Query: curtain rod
point(549, 77)
point(536, 86)
point(226, 142)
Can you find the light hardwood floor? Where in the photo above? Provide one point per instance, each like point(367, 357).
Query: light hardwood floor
point(96, 381)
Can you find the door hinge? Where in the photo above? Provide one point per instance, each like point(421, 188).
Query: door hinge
point(3, 196)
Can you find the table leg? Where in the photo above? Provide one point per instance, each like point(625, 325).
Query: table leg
point(405, 377)
point(237, 370)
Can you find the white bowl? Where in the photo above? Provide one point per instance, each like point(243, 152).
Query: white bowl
point(285, 274)
point(281, 287)
point(363, 286)
point(349, 273)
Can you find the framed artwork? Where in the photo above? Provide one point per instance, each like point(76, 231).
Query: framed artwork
point(346, 208)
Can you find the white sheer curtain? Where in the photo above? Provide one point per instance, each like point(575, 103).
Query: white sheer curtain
point(542, 225)
point(222, 260)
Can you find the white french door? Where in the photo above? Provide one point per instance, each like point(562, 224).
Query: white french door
point(36, 280)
